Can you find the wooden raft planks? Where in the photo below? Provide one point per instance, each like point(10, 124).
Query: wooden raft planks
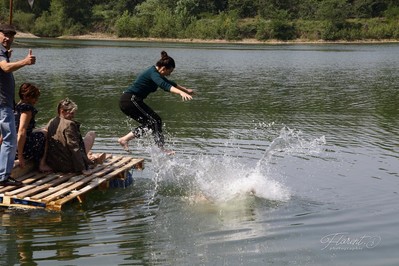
point(52, 191)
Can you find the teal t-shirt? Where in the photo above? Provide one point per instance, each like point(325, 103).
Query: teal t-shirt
point(148, 82)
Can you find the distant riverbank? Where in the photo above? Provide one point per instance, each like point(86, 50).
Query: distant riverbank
point(110, 37)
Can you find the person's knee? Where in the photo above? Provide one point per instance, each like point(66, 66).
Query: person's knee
point(91, 134)
point(39, 137)
point(41, 130)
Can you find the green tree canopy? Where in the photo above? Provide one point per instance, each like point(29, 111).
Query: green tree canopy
point(209, 18)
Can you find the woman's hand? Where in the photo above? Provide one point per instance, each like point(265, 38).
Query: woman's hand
point(186, 90)
point(21, 160)
point(185, 96)
point(190, 91)
point(182, 92)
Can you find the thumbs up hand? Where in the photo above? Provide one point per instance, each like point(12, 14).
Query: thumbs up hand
point(30, 59)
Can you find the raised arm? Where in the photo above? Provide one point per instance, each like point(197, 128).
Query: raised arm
point(9, 67)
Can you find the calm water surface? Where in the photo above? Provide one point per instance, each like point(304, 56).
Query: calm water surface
point(288, 155)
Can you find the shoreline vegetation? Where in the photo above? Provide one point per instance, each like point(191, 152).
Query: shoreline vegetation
point(111, 37)
point(210, 21)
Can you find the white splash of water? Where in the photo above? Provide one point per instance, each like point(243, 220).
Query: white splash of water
point(291, 141)
point(222, 178)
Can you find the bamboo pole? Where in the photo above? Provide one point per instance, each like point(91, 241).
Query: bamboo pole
point(11, 7)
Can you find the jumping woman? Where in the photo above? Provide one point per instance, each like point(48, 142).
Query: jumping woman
point(132, 100)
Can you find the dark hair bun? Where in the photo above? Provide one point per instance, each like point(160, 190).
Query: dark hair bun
point(166, 61)
point(164, 55)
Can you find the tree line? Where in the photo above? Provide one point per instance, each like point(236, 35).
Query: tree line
point(210, 19)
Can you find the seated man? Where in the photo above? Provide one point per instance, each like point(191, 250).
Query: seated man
point(67, 150)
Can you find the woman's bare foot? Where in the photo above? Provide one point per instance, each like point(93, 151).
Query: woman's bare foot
point(44, 168)
point(124, 144)
point(87, 172)
point(167, 152)
point(100, 158)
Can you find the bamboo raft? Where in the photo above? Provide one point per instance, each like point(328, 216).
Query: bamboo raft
point(52, 191)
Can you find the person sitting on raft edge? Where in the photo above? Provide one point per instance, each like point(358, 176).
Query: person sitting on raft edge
point(67, 150)
point(31, 141)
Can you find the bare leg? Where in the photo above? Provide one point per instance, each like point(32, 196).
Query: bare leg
point(124, 141)
point(89, 140)
point(43, 166)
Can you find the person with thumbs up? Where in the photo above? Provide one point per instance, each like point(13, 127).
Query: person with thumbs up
point(7, 94)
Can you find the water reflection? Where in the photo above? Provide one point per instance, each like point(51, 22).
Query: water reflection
point(32, 240)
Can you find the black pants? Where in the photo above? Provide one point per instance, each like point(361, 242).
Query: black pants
point(135, 108)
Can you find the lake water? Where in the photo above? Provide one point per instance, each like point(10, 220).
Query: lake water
point(287, 155)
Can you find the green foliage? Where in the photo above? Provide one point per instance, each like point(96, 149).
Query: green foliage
point(244, 8)
point(123, 25)
point(4, 11)
point(202, 29)
point(309, 29)
point(307, 10)
point(335, 11)
point(47, 26)
point(186, 12)
point(392, 12)
point(148, 8)
point(247, 28)
point(276, 29)
point(224, 26)
point(333, 31)
point(377, 29)
point(351, 30)
point(146, 11)
point(330, 31)
point(103, 19)
point(120, 6)
point(164, 24)
point(266, 9)
point(71, 17)
point(263, 30)
point(128, 26)
point(25, 21)
point(227, 26)
point(282, 30)
point(363, 8)
point(75, 29)
point(37, 9)
point(71, 14)
point(210, 19)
